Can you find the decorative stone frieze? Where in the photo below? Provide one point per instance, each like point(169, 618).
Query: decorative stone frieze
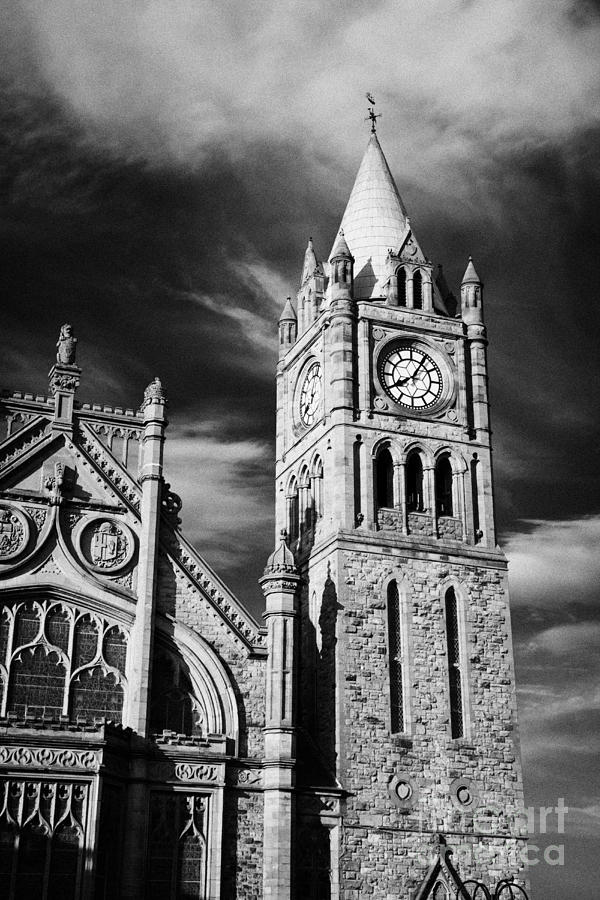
point(45, 758)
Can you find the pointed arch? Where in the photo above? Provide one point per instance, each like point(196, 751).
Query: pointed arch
point(213, 693)
point(414, 482)
point(384, 478)
point(417, 290)
point(397, 599)
point(455, 624)
point(443, 478)
point(293, 508)
point(316, 477)
point(401, 283)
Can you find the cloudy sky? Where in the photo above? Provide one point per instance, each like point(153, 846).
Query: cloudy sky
point(163, 164)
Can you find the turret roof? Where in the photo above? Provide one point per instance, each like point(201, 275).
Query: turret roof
point(288, 313)
point(374, 221)
point(470, 273)
point(311, 263)
point(340, 248)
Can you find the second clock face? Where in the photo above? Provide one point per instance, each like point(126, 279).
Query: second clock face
point(410, 377)
point(310, 395)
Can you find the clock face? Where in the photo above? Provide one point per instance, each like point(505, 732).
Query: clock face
point(310, 394)
point(410, 377)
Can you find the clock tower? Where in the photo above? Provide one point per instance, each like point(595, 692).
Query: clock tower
point(406, 713)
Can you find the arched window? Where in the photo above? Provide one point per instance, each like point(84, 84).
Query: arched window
point(293, 514)
point(305, 500)
point(384, 471)
point(454, 665)
point(417, 290)
point(317, 486)
point(173, 707)
point(414, 483)
point(396, 658)
point(401, 276)
point(176, 845)
point(443, 487)
point(61, 660)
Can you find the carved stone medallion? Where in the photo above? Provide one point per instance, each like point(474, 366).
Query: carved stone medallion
point(106, 545)
point(14, 533)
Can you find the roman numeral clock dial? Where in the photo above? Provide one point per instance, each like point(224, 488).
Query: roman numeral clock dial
point(310, 395)
point(410, 377)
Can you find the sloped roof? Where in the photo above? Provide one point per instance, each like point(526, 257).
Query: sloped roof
point(375, 220)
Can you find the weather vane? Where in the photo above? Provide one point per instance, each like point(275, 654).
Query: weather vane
point(372, 116)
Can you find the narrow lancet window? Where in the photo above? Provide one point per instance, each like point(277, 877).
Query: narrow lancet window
point(454, 665)
point(417, 291)
point(414, 483)
point(385, 479)
point(401, 275)
point(396, 661)
point(443, 487)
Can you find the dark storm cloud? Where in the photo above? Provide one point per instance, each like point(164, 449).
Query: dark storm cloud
point(162, 166)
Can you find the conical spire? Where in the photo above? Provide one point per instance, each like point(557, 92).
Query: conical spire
point(288, 313)
point(311, 263)
point(374, 221)
point(340, 248)
point(471, 275)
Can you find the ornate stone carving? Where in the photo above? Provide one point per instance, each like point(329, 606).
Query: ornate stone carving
point(105, 544)
point(464, 794)
point(403, 792)
point(38, 514)
point(122, 483)
point(64, 381)
point(66, 346)
point(58, 484)
point(389, 519)
point(14, 533)
point(24, 440)
point(171, 505)
point(247, 777)
point(154, 393)
point(44, 757)
point(196, 772)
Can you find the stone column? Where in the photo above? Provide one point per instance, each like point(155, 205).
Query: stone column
point(400, 494)
point(476, 334)
point(279, 583)
point(429, 499)
point(151, 480)
point(141, 645)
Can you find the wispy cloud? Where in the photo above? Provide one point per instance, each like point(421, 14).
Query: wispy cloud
point(553, 563)
point(457, 80)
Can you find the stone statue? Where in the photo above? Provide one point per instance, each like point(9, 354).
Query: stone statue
point(67, 346)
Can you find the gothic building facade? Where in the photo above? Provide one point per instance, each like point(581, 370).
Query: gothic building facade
point(158, 742)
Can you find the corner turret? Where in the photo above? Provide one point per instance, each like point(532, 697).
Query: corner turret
point(288, 327)
point(342, 268)
point(312, 288)
point(471, 295)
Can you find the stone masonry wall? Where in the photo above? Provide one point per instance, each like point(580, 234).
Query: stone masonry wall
point(243, 810)
point(387, 842)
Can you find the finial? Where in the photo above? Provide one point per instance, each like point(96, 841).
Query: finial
point(66, 346)
point(372, 116)
point(154, 393)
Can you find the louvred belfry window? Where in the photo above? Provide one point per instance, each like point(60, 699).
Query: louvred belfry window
point(454, 665)
point(58, 660)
